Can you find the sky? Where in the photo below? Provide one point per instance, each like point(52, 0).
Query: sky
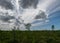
point(42, 14)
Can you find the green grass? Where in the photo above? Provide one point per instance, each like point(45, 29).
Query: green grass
point(30, 37)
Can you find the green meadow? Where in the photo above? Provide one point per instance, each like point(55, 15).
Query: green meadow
point(30, 36)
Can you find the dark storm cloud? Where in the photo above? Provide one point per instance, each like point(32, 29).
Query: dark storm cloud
point(29, 3)
point(41, 15)
point(6, 4)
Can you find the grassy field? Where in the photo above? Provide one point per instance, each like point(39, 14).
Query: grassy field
point(29, 36)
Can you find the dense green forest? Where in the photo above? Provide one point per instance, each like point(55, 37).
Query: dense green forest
point(29, 36)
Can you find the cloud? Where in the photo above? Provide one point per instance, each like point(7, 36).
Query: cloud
point(42, 22)
point(29, 15)
point(6, 4)
point(29, 3)
point(56, 9)
point(31, 10)
point(6, 18)
point(45, 5)
point(53, 6)
point(41, 15)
